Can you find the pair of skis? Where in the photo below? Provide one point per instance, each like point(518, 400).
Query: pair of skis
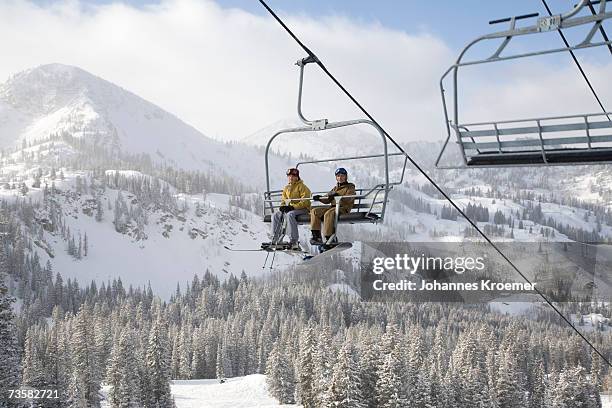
point(324, 250)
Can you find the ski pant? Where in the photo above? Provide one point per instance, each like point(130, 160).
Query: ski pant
point(292, 225)
point(328, 214)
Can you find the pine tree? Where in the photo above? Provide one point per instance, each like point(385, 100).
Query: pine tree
point(508, 389)
point(75, 394)
point(279, 376)
point(124, 380)
point(538, 396)
point(306, 387)
point(220, 364)
point(85, 245)
point(33, 374)
point(99, 210)
point(10, 366)
point(158, 367)
point(390, 392)
point(368, 366)
point(345, 387)
point(184, 353)
point(56, 360)
point(324, 360)
point(84, 360)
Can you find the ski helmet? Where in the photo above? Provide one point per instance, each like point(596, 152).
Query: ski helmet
point(341, 170)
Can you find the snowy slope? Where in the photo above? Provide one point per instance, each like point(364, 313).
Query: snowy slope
point(177, 245)
point(239, 392)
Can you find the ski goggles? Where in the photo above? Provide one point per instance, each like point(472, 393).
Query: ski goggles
point(293, 172)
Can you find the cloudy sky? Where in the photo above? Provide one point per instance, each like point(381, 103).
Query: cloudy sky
point(226, 68)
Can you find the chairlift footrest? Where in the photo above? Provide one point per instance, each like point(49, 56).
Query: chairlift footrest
point(572, 156)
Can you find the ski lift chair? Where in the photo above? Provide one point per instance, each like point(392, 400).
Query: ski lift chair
point(561, 140)
point(370, 202)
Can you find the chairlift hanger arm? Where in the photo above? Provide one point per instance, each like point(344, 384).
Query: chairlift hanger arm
point(601, 28)
point(589, 37)
point(547, 23)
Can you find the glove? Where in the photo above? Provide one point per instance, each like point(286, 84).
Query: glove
point(316, 197)
point(286, 208)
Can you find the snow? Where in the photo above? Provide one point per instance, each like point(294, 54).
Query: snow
point(239, 392)
point(515, 308)
point(591, 322)
point(161, 260)
point(344, 289)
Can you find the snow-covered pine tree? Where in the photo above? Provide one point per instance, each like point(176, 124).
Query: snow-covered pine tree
point(10, 364)
point(324, 360)
point(198, 361)
point(368, 367)
point(280, 375)
point(84, 359)
point(56, 369)
point(158, 367)
point(538, 379)
point(390, 388)
point(184, 353)
point(345, 386)
point(305, 386)
point(220, 370)
point(33, 371)
point(99, 210)
point(75, 394)
point(509, 393)
point(126, 391)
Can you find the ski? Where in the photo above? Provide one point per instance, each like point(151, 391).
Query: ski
point(242, 250)
point(279, 248)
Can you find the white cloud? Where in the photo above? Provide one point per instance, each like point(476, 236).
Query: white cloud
point(228, 72)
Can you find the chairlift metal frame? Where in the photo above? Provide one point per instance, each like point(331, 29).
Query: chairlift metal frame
point(534, 148)
point(370, 203)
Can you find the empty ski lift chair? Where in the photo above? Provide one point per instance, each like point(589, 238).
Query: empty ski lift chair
point(561, 140)
point(370, 202)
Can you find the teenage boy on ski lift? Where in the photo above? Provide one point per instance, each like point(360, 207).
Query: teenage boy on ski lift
point(295, 188)
point(328, 214)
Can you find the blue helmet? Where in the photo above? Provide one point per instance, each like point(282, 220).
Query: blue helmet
point(341, 170)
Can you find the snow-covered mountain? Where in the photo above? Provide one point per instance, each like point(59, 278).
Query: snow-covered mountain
point(57, 99)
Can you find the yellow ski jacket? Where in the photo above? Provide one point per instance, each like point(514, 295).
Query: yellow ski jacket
point(296, 190)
